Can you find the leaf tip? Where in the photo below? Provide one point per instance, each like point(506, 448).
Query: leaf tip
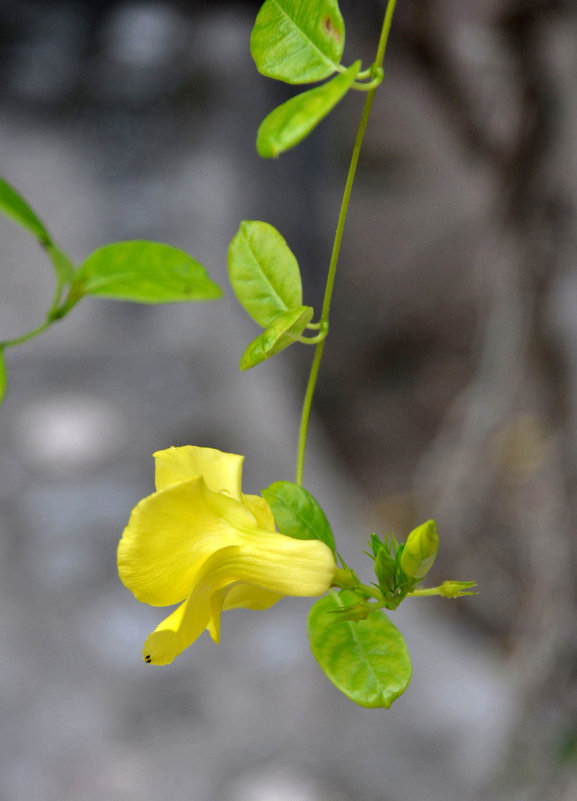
point(266, 149)
point(217, 292)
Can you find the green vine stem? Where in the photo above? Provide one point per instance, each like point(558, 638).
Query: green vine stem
point(305, 416)
point(375, 82)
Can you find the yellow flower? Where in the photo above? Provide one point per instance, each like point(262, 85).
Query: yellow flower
point(200, 540)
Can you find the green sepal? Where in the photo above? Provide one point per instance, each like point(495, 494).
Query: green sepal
point(366, 659)
point(375, 544)
point(142, 272)
point(457, 589)
point(297, 514)
point(3, 376)
point(393, 583)
point(296, 41)
point(263, 272)
point(291, 122)
point(386, 573)
point(13, 205)
point(279, 335)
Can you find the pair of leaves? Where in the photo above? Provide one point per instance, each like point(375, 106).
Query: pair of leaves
point(266, 279)
point(368, 659)
point(137, 271)
point(300, 42)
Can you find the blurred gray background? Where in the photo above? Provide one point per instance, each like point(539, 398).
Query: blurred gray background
point(448, 390)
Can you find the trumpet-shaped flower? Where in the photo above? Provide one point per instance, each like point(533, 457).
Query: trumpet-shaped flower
point(199, 541)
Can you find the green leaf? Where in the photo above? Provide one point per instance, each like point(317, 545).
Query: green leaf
point(279, 335)
point(13, 205)
point(298, 41)
point(290, 123)
point(62, 264)
point(142, 272)
point(297, 514)
point(264, 272)
point(3, 376)
point(367, 660)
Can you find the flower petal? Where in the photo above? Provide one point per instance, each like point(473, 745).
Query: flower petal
point(261, 510)
point(181, 628)
point(247, 596)
point(221, 471)
point(284, 565)
point(159, 647)
point(169, 536)
point(239, 596)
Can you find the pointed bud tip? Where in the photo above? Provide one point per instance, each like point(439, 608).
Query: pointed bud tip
point(457, 589)
point(420, 550)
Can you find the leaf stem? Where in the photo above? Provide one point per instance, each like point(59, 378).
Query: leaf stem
point(364, 75)
point(51, 317)
point(311, 340)
point(8, 343)
point(313, 375)
point(375, 81)
point(425, 592)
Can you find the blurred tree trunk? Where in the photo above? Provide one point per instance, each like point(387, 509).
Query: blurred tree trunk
point(501, 472)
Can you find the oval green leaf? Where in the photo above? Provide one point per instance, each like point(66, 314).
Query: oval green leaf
point(3, 376)
point(296, 41)
point(279, 335)
point(297, 514)
point(367, 660)
point(264, 272)
point(290, 123)
point(13, 205)
point(143, 272)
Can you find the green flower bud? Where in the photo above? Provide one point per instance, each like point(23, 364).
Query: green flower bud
point(420, 550)
point(456, 589)
point(386, 572)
